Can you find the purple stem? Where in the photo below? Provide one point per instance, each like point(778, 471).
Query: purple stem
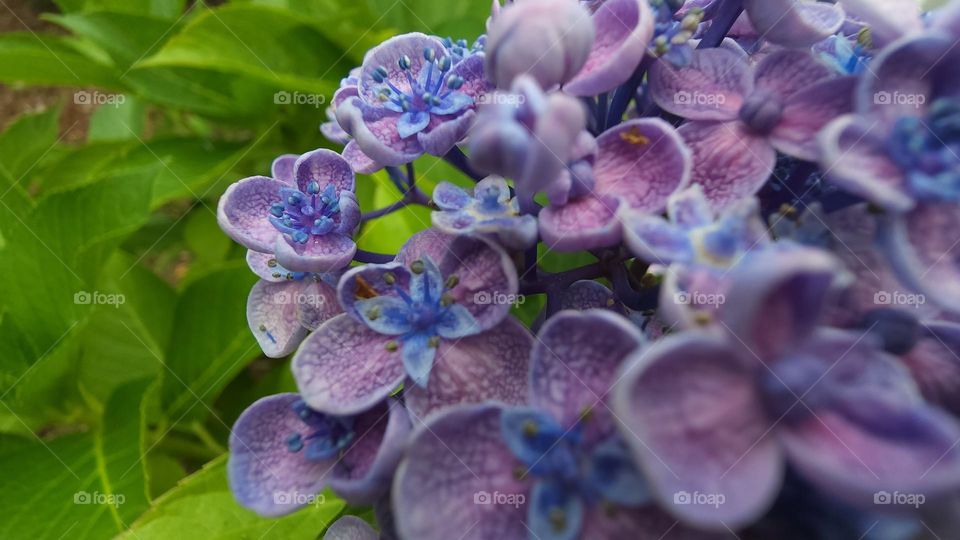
point(558, 281)
point(369, 257)
point(626, 92)
point(458, 159)
point(727, 14)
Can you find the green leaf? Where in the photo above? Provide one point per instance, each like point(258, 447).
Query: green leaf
point(210, 342)
point(22, 146)
point(123, 121)
point(159, 8)
point(126, 37)
point(81, 486)
point(437, 17)
point(44, 59)
point(202, 506)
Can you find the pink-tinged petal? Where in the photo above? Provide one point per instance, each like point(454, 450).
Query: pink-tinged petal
point(265, 266)
point(574, 363)
point(623, 30)
point(935, 365)
point(489, 366)
point(475, 82)
point(320, 254)
point(794, 23)
point(586, 294)
point(350, 528)
point(888, 19)
point(555, 136)
point(692, 296)
point(350, 214)
point(728, 161)
point(853, 153)
point(359, 162)
point(642, 162)
point(386, 56)
point(244, 210)
point(689, 410)
point(924, 250)
point(375, 132)
point(786, 72)
point(316, 303)
point(586, 223)
point(807, 112)
point(325, 167)
point(344, 368)
point(778, 298)
point(264, 475)
point(484, 271)
point(272, 317)
point(453, 467)
point(282, 168)
point(711, 87)
point(365, 469)
point(874, 433)
point(445, 132)
point(648, 522)
point(343, 94)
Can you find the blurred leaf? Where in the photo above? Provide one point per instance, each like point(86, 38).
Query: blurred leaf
point(45, 59)
point(158, 8)
point(78, 486)
point(438, 17)
point(122, 121)
point(202, 506)
point(24, 143)
point(126, 37)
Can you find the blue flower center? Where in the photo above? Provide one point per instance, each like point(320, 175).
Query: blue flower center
point(325, 437)
point(302, 215)
point(428, 88)
point(927, 150)
point(846, 56)
point(461, 49)
point(670, 36)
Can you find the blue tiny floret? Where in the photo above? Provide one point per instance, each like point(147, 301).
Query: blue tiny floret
point(326, 437)
point(670, 36)
point(927, 150)
point(302, 215)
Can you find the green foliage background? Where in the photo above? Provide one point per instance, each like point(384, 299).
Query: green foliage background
point(132, 403)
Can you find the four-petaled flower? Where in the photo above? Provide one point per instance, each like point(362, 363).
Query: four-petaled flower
point(490, 210)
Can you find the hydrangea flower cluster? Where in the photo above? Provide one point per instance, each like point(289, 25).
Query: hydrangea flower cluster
point(766, 343)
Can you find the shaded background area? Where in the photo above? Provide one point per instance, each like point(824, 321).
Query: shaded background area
point(124, 350)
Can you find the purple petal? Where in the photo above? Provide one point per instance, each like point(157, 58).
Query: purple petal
point(244, 209)
point(794, 23)
point(375, 132)
point(264, 475)
point(780, 297)
point(334, 133)
point(489, 366)
point(453, 467)
point(921, 248)
point(272, 317)
point(655, 240)
point(934, 364)
point(320, 254)
point(325, 167)
point(645, 523)
point(350, 528)
point(642, 162)
point(887, 19)
point(411, 123)
point(519, 232)
point(445, 132)
point(483, 271)
point(689, 208)
point(785, 72)
point(344, 367)
point(728, 161)
point(807, 112)
point(265, 266)
point(689, 410)
point(359, 162)
point(365, 469)
point(711, 87)
point(371, 281)
point(316, 304)
point(586, 294)
point(448, 196)
point(555, 135)
point(350, 215)
point(282, 168)
point(854, 155)
point(574, 363)
point(585, 223)
point(386, 56)
point(623, 30)
point(475, 82)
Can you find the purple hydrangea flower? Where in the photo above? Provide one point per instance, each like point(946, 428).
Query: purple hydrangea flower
point(673, 30)
point(283, 453)
point(284, 305)
point(435, 319)
point(740, 116)
point(331, 128)
point(304, 215)
point(350, 528)
point(411, 99)
point(556, 463)
point(772, 388)
point(490, 211)
point(794, 23)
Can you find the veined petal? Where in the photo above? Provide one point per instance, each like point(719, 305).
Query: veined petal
point(387, 315)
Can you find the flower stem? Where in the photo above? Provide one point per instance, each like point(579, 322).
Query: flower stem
point(369, 257)
point(458, 159)
point(626, 92)
point(729, 11)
